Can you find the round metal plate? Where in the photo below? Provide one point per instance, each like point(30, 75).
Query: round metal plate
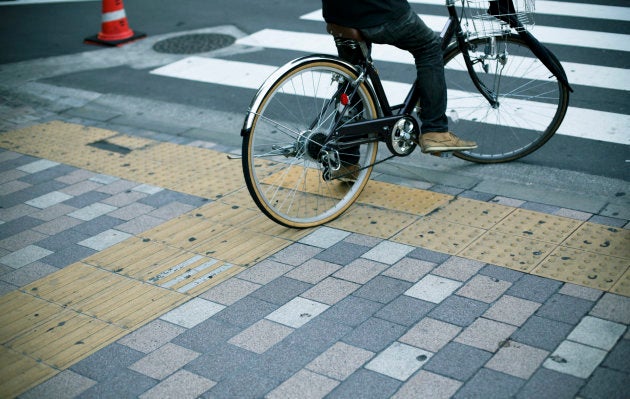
point(194, 43)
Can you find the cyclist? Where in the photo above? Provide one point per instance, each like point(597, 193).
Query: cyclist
point(393, 22)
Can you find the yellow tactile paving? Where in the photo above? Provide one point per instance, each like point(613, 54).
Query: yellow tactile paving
point(58, 320)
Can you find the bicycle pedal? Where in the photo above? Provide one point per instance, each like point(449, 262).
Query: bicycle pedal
point(442, 154)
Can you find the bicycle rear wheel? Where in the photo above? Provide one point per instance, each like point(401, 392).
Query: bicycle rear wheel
point(531, 101)
point(296, 176)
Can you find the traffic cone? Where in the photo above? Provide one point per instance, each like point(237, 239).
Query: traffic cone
point(115, 30)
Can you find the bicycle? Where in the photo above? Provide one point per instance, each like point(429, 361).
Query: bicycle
point(312, 132)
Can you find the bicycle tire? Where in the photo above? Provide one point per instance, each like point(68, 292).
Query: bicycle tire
point(282, 147)
point(532, 102)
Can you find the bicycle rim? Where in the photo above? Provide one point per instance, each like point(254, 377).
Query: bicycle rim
point(531, 101)
point(282, 161)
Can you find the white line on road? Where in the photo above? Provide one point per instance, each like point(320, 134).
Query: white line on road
point(23, 2)
point(578, 74)
point(546, 34)
point(579, 122)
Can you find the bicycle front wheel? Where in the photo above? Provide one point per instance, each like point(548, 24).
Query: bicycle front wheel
point(531, 102)
point(294, 173)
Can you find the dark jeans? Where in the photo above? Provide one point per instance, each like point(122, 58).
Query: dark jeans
point(410, 33)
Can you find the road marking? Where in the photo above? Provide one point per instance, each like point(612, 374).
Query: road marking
point(565, 9)
point(579, 122)
point(578, 74)
point(546, 34)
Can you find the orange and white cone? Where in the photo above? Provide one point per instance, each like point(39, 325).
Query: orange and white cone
point(115, 30)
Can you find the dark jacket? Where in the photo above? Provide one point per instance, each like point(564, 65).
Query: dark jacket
point(363, 13)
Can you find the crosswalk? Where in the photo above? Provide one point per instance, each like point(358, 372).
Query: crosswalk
point(595, 124)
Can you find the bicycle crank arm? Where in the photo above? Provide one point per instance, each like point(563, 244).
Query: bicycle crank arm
point(359, 129)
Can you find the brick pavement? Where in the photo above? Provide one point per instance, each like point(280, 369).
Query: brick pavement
point(336, 314)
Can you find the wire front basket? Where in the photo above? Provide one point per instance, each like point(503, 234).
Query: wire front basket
point(485, 18)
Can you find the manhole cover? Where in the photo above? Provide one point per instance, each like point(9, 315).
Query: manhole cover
point(192, 44)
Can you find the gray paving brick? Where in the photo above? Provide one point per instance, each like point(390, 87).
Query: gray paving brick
point(17, 226)
point(512, 310)
point(207, 336)
point(388, 252)
point(459, 311)
point(244, 384)
point(297, 312)
point(281, 290)
point(575, 359)
point(182, 384)
point(613, 307)
point(433, 288)
point(430, 334)
point(62, 240)
point(542, 333)
point(578, 291)
point(140, 224)
point(409, 269)
point(366, 384)
point(428, 385)
point(507, 201)
point(597, 332)
point(360, 271)
point(66, 384)
point(405, 310)
point(458, 361)
point(68, 255)
point(230, 291)
point(21, 240)
point(57, 226)
point(192, 312)
point(107, 363)
point(486, 334)
point(484, 289)
point(125, 384)
point(164, 361)
point(340, 361)
point(382, 289)
point(114, 187)
point(124, 198)
point(147, 189)
point(618, 358)
point(24, 256)
point(92, 211)
point(5, 287)
point(490, 384)
point(518, 360)
point(105, 240)
point(171, 211)
point(399, 361)
point(342, 253)
point(534, 288)
point(565, 308)
point(284, 359)
point(549, 384)
point(12, 187)
point(375, 334)
point(245, 312)
point(428, 255)
point(47, 200)
point(29, 273)
point(151, 336)
point(324, 237)
point(83, 200)
point(131, 211)
point(53, 212)
point(261, 336)
point(352, 311)
point(165, 197)
point(573, 214)
point(459, 269)
point(264, 272)
point(608, 384)
point(304, 384)
point(75, 176)
point(330, 291)
point(80, 188)
point(9, 213)
point(543, 208)
point(313, 271)
point(363, 240)
point(10, 175)
point(47, 175)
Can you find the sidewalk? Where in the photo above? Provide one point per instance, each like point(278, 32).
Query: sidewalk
point(132, 267)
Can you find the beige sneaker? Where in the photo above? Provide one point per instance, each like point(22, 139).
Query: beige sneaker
point(444, 141)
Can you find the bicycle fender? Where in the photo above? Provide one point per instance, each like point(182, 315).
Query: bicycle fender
point(281, 72)
point(546, 57)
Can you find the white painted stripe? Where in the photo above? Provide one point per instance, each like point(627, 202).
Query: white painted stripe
point(113, 16)
point(176, 268)
point(565, 9)
point(546, 34)
point(579, 122)
point(205, 277)
point(190, 273)
point(24, 2)
point(578, 74)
